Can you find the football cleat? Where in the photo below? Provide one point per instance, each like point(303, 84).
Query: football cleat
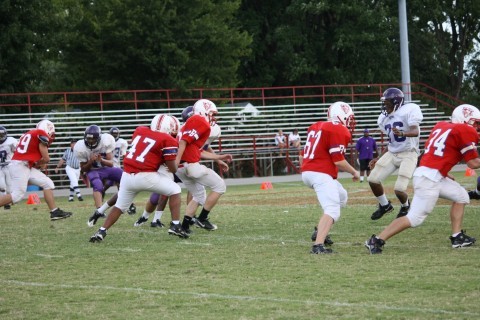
point(177, 230)
point(374, 245)
point(403, 211)
point(94, 217)
point(320, 249)
point(473, 195)
point(59, 214)
point(140, 221)
point(205, 224)
point(157, 224)
point(328, 241)
point(382, 210)
point(462, 240)
point(98, 236)
point(132, 209)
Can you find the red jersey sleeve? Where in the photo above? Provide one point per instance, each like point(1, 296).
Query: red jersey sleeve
point(195, 133)
point(448, 144)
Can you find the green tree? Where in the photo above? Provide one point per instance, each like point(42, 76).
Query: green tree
point(443, 35)
point(26, 32)
point(320, 42)
point(115, 44)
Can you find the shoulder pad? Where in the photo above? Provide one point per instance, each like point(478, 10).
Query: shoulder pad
point(44, 140)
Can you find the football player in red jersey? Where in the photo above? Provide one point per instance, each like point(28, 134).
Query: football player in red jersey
point(195, 176)
point(149, 166)
point(448, 144)
point(323, 156)
point(30, 157)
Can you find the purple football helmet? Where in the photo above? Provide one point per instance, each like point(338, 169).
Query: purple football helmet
point(115, 132)
point(392, 99)
point(187, 113)
point(3, 134)
point(92, 136)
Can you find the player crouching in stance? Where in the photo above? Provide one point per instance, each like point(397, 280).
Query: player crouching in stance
point(29, 158)
point(194, 175)
point(152, 149)
point(95, 153)
point(447, 144)
point(323, 157)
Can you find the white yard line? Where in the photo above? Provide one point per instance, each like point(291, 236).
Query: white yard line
point(244, 298)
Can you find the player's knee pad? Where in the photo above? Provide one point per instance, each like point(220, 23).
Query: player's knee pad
point(401, 184)
point(416, 219)
point(200, 196)
point(333, 212)
point(154, 198)
point(220, 187)
point(375, 175)
point(46, 183)
point(17, 196)
point(463, 198)
point(174, 190)
point(96, 184)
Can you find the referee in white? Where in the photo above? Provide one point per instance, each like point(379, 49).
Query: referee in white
point(73, 170)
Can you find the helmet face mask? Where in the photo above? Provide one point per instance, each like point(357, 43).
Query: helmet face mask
point(343, 113)
point(115, 132)
point(212, 112)
point(392, 99)
point(3, 134)
point(175, 127)
point(92, 136)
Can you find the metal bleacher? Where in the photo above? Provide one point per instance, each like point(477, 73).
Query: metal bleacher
point(247, 131)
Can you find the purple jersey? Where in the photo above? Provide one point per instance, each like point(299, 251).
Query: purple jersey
point(365, 147)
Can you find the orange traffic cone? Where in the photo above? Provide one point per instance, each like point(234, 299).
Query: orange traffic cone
point(470, 172)
point(266, 185)
point(33, 199)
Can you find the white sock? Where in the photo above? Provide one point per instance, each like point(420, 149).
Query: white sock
point(103, 208)
point(383, 200)
point(361, 178)
point(406, 204)
point(146, 214)
point(455, 234)
point(158, 215)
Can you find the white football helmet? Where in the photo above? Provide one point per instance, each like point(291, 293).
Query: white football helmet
point(165, 123)
point(466, 113)
point(206, 109)
point(48, 127)
point(343, 113)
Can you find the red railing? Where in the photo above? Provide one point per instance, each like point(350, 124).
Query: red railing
point(168, 98)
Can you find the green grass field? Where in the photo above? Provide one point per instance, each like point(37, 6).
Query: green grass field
point(257, 264)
